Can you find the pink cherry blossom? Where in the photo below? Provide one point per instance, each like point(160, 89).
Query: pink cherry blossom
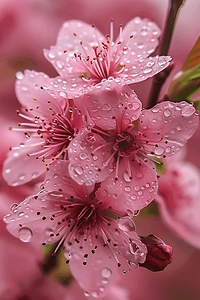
point(123, 141)
point(83, 56)
point(179, 200)
point(92, 233)
point(48, 128)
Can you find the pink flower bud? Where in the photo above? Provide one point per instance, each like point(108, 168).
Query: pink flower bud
point(159, 254)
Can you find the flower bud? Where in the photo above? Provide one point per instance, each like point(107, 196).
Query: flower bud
point(159, 254)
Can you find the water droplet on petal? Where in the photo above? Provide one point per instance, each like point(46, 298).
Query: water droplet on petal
point(167, 113)
point(104, 280)
point(106, 273)
point(83, 155)
point(94, 294)
point(51, 54)
point(126, 177)
point(13, 206)
point(126, 224)
point(19, 75)
point(106, 107)
point(179, 127)
point(86, 294)
point(155, 110)
point(60, 64)
point(7, 171)
point(139, 175)
point(147, 70)
point(22, 176)
point(25, 234)
point(127, 189)
point(159, 150)
point(21, 214)
point(79, 170)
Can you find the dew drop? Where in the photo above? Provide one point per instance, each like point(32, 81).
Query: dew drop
point(155, 110)
point(159, 150)
point(106, 107)
point(25, 234)
point(126, 224)
point(21, 214)
point(24, 88)
point(13, 206)
point(167, 113)
point(22, 176)
point(51, 54)
point(106, 273)
point(126, 177)
point(179, 127)
point(127, 189)
point(104, 280)
point(7, 171)
point(60, 64)
point(139, 175)
point(83, 155)
point(79, 170)
point(19, 75)
point(133, 197)
point(136, 188)
point(147, 70)
point(86, 294)
point(94, 294)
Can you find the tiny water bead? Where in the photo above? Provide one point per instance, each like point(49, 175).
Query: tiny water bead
point(25, 235)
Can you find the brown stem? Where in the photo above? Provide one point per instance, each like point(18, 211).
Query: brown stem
point(160, 78)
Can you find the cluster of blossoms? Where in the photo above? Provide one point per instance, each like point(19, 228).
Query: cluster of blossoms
point(87, 134)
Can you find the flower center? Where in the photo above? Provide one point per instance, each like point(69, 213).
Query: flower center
point(125, 140)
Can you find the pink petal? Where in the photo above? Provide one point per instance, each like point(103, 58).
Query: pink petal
point(20, 168)
point(67, 87)
point(86, 167)
point(144, 41)
point(97, 275)
point(137, 71)
point(179, 201)
point(31, 93)
point(169, 125)
point(69, 37)
point(53, 182)
point(110, 99)
point(32, 220)
point(135, 191)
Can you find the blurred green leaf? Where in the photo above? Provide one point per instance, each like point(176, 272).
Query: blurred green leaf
point(193, 58)
point(187, 82)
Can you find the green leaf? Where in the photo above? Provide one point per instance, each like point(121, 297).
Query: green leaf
point(187, 83)
point(160, 166)
point(193, 58)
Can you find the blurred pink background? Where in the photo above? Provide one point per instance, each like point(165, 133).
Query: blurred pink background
point(28, 26)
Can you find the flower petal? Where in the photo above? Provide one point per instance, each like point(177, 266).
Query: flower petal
point(144, 41)
point(68, 42)
point(86, 163)
point(34, 221)
point(169, 125)
point(53, 182)
point(31, 93)
point(179, 201)
point(100, 271)
point(20, 168)
point(145, 68)
point(108, 100)
point(136, 190)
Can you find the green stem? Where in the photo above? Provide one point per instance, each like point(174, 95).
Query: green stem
point(160, 78)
